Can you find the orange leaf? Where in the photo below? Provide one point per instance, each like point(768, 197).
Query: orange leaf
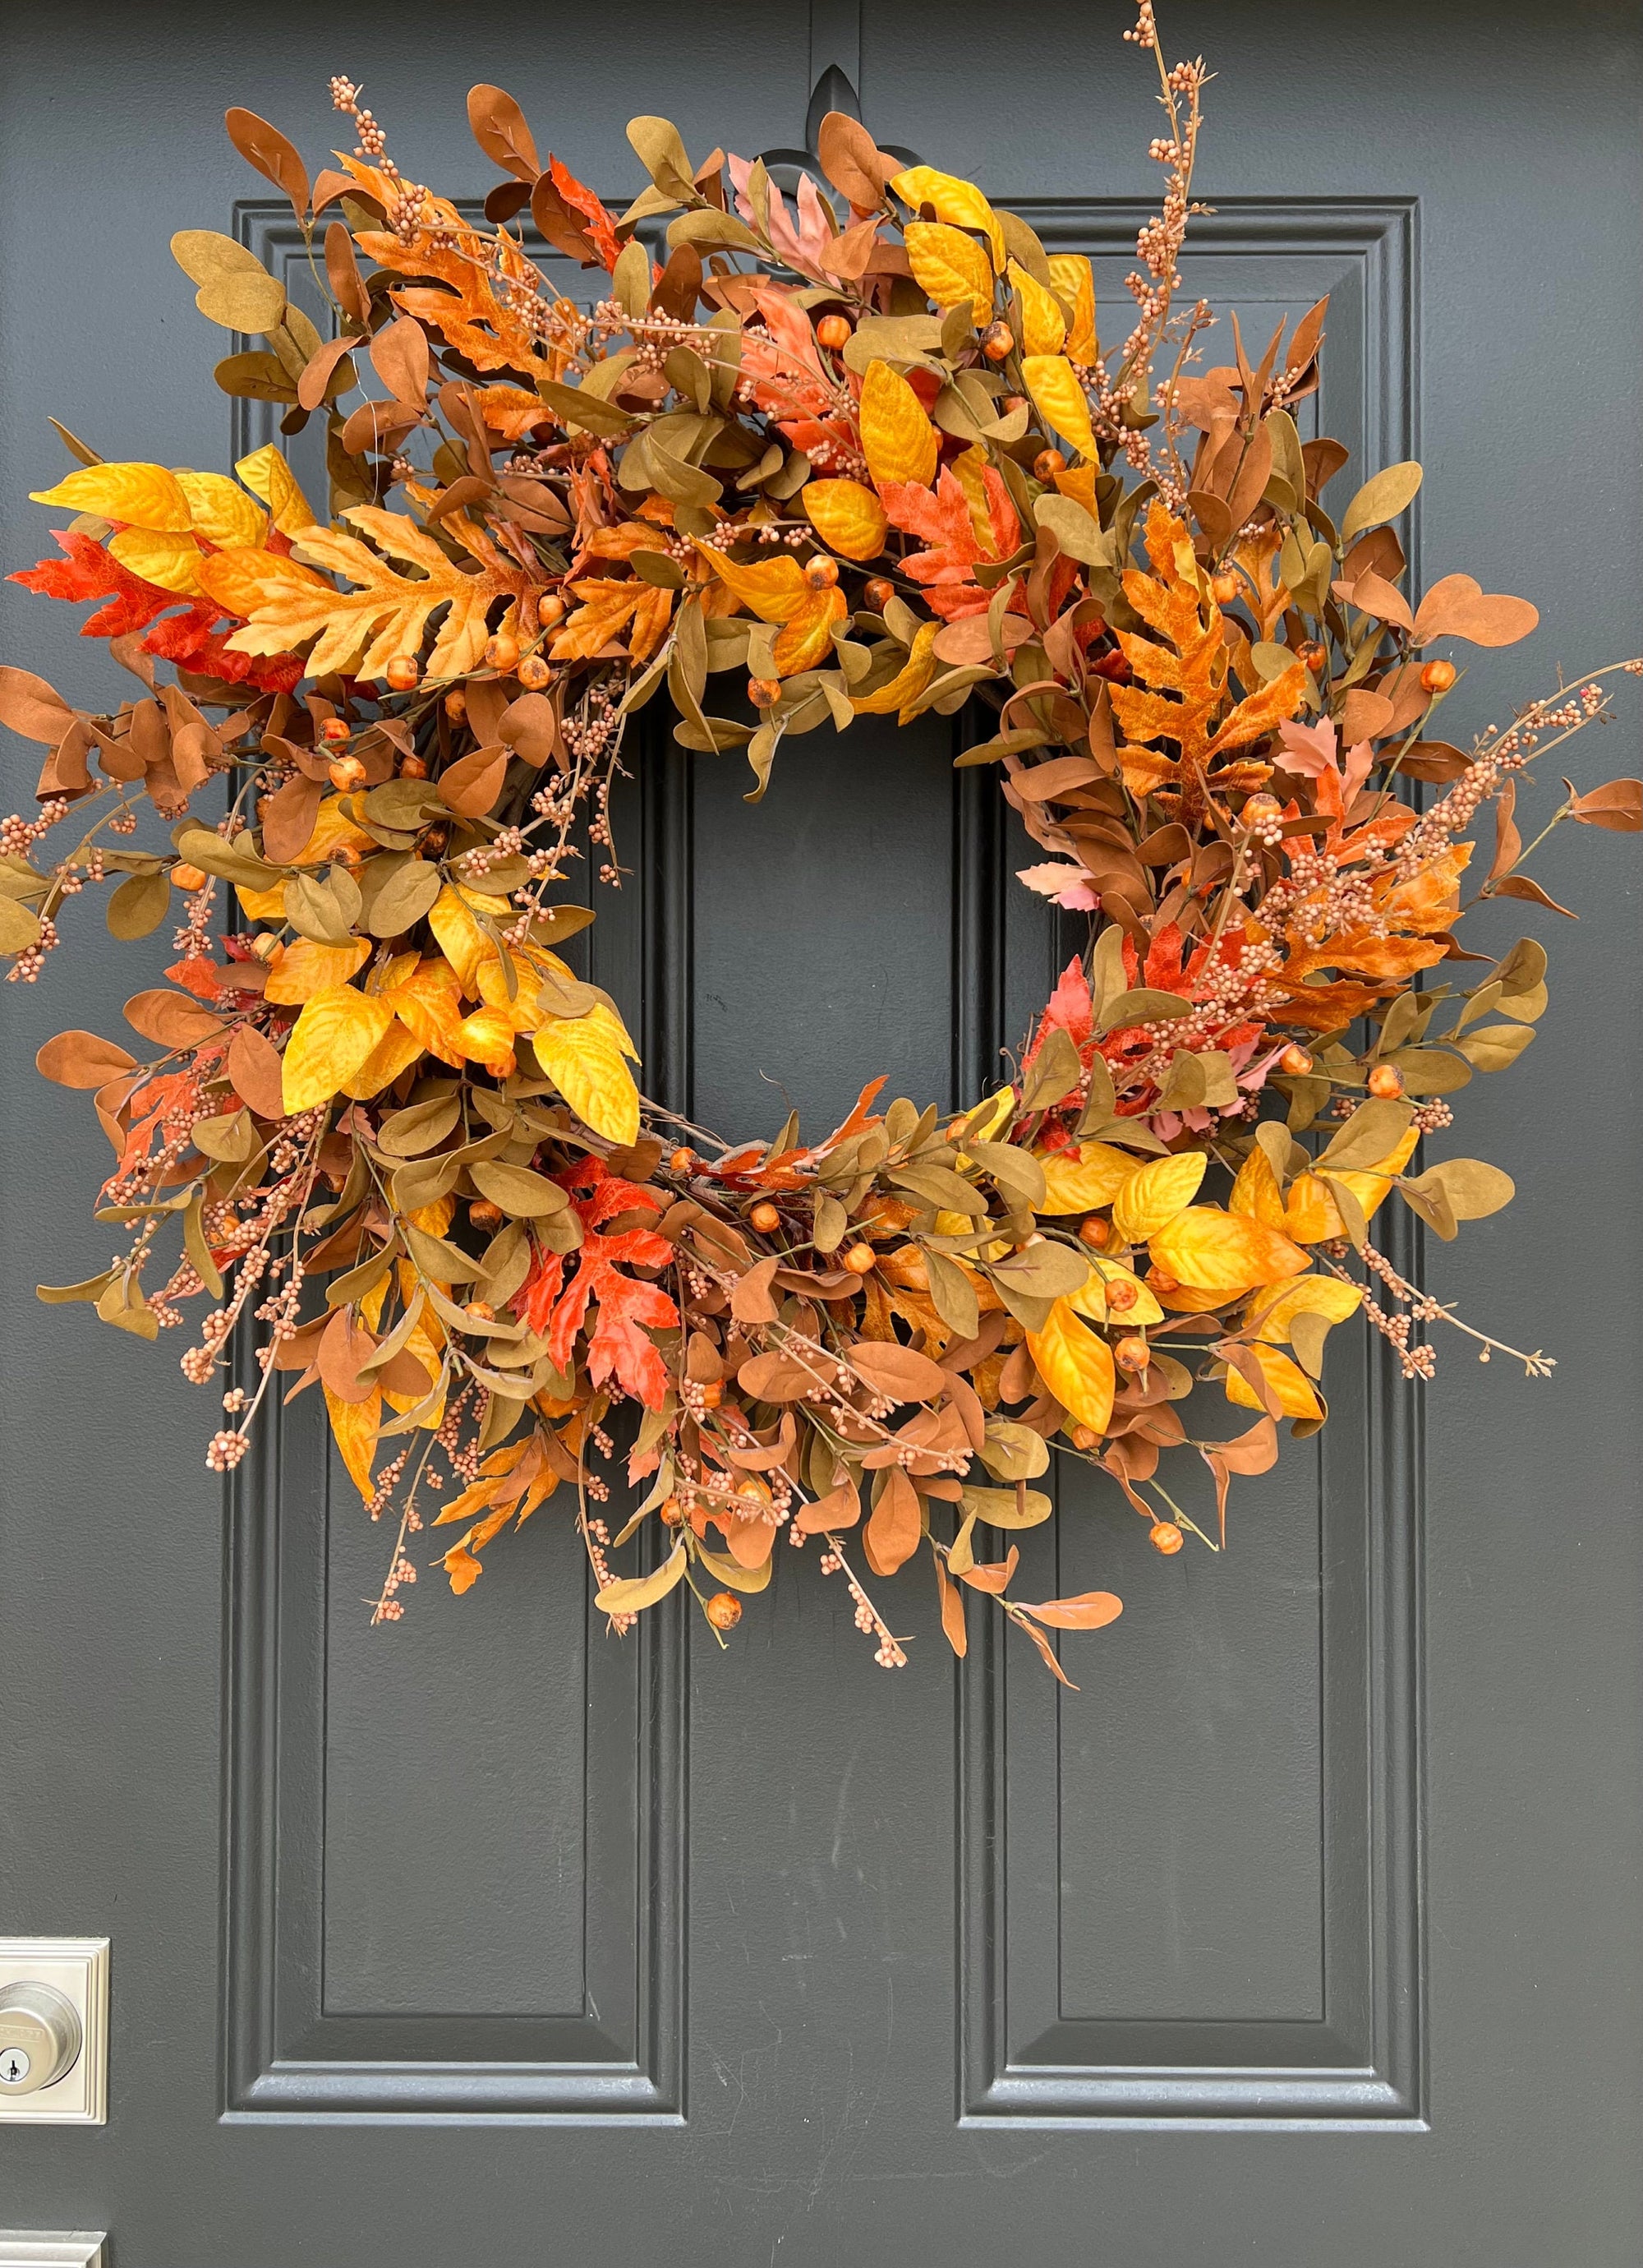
point(608, 608)
point(1286, 1378)
point(356, 1424)
point(1087, 1610)
point(297, 972)
point(894, 1525)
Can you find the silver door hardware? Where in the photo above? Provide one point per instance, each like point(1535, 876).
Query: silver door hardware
point(54, 2037)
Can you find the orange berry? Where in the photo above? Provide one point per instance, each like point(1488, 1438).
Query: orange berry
point(185, 877)
point(1387, 1081)
point(764, 1217)
point(997, 340)
point(833, 331)
point(1225, 587)
point(502, 652)
point(345, 855)
point(1121, 1294)
point(879, 592)
point(821, 573)
point(1012, 402)
point(347, 774)
point(1132, 1353)
point(1099, 1233)
point(860, 1259)
point(484, 1214)
point(712, 1395)
point(1295, 1060)
point(550, 612)
point(534, 673)
point(403, 672)
point(723, 1610)
point(457, 705)
point(1047, 464)
point(764, 692)
point(1438, 676)
point(335, 732)
point(479, 1311)
point(265, 947)
point(1316, 655)
point(1165, 1536)
point(752, 1491)
point(1084, 1437)
point(673, 1511)
point(1163, 1283)
point(682, 1160)
point(1262, 811)
point(413, 767)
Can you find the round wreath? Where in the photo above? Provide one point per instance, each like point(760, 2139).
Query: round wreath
point(867, 453)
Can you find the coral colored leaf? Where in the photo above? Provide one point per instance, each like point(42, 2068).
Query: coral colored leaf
point(1222, 1252)
point(951, 267)
point(1076, 1365)
point(330, 1042)
point(1059, 399)
point(897, 439)
point(1086, 1610)
point(1155, 1192)
point(583, 1056)
point(849, 517)
point(131, 494)
point(1078, 1180)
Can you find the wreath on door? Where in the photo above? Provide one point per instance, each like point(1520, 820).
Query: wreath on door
point(860, 453)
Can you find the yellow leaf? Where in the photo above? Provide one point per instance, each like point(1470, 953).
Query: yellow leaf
point(1078, 483)
point(773, 589)
point(1073, 281)
point(951, 267)
point(1059, 399)
point(909, 681)
point(952, 200)
point(1043, 325)
point(1256, 1191)
point(262, 905)
point(1288, 1382)
point(428, 1004)
point(171, 562)
point(1313, 1217)
point(1135, 1305)
point(463, 942)
point(222, 511)
point(583, 1056)
point(849, 517)
point(136, 495)
point(633, 1593)
point(297, 972)
point(1076, 1365)
point(1155, 1192)
point(897, 439)
point(1224, 1252)
point(1078, 1180)
point(806, 641)
point(487, 1037)
point(969, 469)
point(356, 1424)
point(266, 474)
point(397, 1051)
point(330, 1042)
point(1309, 1295)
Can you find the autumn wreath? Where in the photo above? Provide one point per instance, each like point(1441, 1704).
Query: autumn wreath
point(864, 453)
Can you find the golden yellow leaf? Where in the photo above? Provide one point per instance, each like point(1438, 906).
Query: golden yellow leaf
point(951, 199)
point(333, 831)
point(1076, 1365)
point(909, 681)
point(583, 1056)
point(266, 474)
point(1073, 281)
point(1155, 1192)
point(397, 1051)
point(171, 562)
point(1059, 399)
point(806, 641)
point(1043, 325)
point(486, 1036)
point(897, 439)
point(297, 972)
point(1309, 1295)
point(1313, 1217)
point(1288, 1382)
point(428, 1004)
point(222, 511)
point(951, 267)
point(1224, 1252)
point(463, 942)
point(1256, 1191)
point(136, 495)
point(1078, 1180)
point(773, 589)
point(354, 1426)
point(849, 517)
point(262, 905)
point(330, 1041)
point(1135, 1306)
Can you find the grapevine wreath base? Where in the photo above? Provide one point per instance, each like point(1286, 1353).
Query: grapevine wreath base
point(864, 453)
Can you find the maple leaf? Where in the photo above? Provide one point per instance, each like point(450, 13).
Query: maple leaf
point(783, 367)
point(618, 1346)
point(943, 519)
point(608, 607)
point(284, 603)
point(1193, 669)
point(191, 638)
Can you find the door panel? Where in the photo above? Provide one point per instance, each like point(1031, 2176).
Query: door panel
point(1308, 1930)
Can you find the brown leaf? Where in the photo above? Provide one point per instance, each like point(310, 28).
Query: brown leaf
point(172, 1018)
point(342, 271)
point(33, 708)
point(1364, 717)
point(853, 161)
point(1089, 1610)
point(841, 1508)
point(1507, 841)
point(345, 1345)
point(776, 1378)
point(315, 381)
point(474, 783)
point(1519, 885)
point(995, 1576)
point(254, 1067)
point(896, 1372)
point(953, 1626)
point(275, 158)
point(751, 1300)
point(499, 127)
point(290, 820)
point(1618, 805)
point(399, 355)
point(1459, 607)
point(894, 1525)
point(81, 1059)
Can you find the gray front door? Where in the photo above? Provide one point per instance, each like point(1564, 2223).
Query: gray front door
point(1307, 1932)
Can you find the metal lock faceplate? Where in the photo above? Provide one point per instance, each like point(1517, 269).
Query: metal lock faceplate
point(54, 2030)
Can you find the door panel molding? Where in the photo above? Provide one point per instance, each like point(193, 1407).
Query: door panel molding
point(1361, 2063)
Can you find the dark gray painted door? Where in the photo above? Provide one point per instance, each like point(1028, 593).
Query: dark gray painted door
point(1307, 1932)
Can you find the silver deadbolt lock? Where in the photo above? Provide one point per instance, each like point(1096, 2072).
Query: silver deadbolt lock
point(39, 2037)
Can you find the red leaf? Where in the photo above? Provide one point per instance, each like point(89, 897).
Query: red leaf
point(618, 1346)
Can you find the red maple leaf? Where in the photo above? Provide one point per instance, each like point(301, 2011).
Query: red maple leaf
point(941, 517)
point(190, 639)
point(618, 1346)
